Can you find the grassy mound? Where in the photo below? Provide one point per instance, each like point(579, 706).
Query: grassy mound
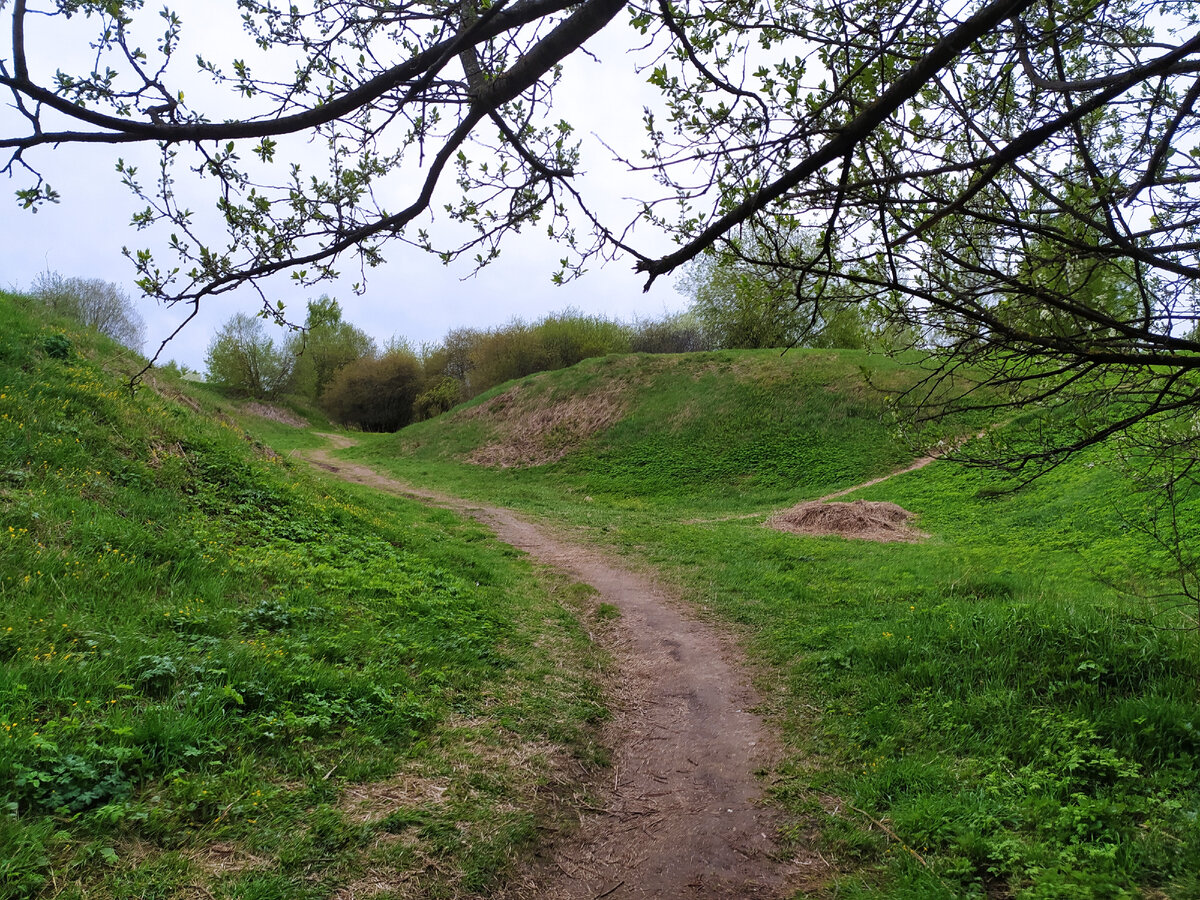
point(704, 431)
point(218, 674)
point(1003, 709)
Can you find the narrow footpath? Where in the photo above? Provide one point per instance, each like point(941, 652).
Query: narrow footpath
point(683, 816)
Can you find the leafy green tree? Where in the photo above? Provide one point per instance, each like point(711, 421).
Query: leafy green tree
point(745, 300)
point(93, 302)
point(326, 345)
point(375, 393)
point(243, 359)
point(740, 306)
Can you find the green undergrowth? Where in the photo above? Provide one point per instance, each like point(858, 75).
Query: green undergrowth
point(221, 675)
point(285, 424)
point(991, 712)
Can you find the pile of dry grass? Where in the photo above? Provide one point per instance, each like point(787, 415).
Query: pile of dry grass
point(862, 519)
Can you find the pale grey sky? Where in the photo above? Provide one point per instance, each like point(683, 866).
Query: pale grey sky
point(413, 295)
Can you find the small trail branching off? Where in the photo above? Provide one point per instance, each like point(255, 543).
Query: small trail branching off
point(916, 464)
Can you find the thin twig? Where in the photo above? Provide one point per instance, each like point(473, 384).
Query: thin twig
point(917, 856)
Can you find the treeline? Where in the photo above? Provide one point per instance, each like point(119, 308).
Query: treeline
point(359, 384)
point(336, 365)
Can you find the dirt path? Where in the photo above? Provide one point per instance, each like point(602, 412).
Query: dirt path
point(919, 463)
point(683, 816)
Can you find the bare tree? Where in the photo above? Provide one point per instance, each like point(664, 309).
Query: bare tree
point(93, 302)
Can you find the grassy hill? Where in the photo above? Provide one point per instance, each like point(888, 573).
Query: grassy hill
point(220, 676)
point(704, 431)
point(994, 711)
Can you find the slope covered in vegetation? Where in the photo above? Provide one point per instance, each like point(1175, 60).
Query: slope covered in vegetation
point(221, 676)
point(1006, 708)
point(699, 429)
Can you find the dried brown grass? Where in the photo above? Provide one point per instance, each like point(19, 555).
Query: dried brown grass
point(864, 520)
point(168, 392)
point(534, 435)
point(225, 859)
point(275, 414)
point(375, 801)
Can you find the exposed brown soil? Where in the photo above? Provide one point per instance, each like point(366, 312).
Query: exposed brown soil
point(683, 815)
point(863, 519)
point(540, 433)
point(337, 442)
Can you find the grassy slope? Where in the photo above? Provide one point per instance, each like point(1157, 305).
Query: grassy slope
point(1017, 727)
point(219, 674)
point(705, 432)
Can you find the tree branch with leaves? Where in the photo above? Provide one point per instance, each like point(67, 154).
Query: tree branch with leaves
point(1012, 182)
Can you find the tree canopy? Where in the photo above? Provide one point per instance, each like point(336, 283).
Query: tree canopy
point(1012, 181)
point(242, 358)
point(327, 344)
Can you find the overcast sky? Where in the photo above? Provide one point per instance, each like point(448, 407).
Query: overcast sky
point(413, 295)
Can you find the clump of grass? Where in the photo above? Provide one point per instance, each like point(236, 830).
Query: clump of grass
point(606, 612)
point(202, 646)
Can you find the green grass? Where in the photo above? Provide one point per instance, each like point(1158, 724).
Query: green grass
point(704, 433)
point(1011, 720)
point(204, 650)
point(977, 715)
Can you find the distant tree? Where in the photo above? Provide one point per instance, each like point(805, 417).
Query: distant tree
point(326, 345)
point(437, 395)
point(741, 306)
point(243, 359)
point(681, 333)
point(456, 356)
point(843, 328)
point(375, 394)
point(176, 369)
point(93, 302)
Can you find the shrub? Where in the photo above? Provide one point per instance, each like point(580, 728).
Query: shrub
point(375, 394)
point(554, 342)
point(92, 302)
point(681, 333)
